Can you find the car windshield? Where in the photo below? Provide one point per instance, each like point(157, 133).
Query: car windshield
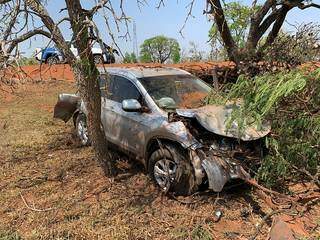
point(176, 91)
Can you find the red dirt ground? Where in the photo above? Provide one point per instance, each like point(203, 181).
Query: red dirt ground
point(64, 72)
point(40, 159)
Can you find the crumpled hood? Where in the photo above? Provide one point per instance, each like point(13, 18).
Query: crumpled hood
point(214, 119)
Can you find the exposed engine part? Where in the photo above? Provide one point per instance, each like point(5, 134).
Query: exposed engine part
point(197, 165)
point(217, 157)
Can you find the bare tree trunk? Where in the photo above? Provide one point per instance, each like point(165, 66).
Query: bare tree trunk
point(87, 78)
point(87, 74)
point(223, 28)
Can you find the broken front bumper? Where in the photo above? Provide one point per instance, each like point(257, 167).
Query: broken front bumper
point(218, 169)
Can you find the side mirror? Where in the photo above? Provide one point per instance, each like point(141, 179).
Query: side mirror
point(131, 105)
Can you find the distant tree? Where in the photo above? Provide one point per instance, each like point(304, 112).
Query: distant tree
point(193, 54)
point(130, 58)
point(265, 21)
point(160, 49)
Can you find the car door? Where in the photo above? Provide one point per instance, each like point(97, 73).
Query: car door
point(107, 107)
point(126, 129)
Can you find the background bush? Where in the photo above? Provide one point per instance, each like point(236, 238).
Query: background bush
point(291, 102)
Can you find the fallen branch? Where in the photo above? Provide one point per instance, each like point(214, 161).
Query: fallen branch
point(33, 208)
point(314, 179)
point(264, 189)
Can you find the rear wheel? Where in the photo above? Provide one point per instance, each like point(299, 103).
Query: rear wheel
point(171, 170)
point(52, 60)
point(97, 59)
point(82, 129)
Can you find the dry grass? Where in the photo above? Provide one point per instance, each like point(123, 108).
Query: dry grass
point(68, 197)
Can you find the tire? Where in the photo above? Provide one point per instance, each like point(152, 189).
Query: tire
point(179, 177)
point(52, 60)
point(82, 130)
point(112, 59)
point(97, 59)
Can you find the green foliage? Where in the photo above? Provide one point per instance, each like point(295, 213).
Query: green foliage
point(290, 101)
point(304, 46)
point(27, 61)
point(160, 49)
point(130, 58)
point(199, 233)
point(238, 19)
point(9, 235)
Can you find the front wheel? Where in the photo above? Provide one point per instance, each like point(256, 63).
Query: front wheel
point(82, 130)
point(97, 59)
point(171, 170)
point(52, 60)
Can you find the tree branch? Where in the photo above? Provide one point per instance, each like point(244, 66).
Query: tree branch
point(267, 22)
point(56, 35)
point(26, 36)
point(96, 8)
point(276, 27)
point(223, 28)
point(303, 6)
point(256, 20)
point(4, 1)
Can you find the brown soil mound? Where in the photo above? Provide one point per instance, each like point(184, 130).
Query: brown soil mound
point(64, 72)
point(40, 72)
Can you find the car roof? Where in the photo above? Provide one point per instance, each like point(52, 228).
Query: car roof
point(140, 72)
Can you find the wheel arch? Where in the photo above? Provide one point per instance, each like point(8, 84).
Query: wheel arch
point(98, 54)
point(75, 115)
point(50, 54)
point(153, 145)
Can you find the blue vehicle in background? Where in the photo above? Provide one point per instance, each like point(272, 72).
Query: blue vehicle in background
point(49, 55)
point(52, 55)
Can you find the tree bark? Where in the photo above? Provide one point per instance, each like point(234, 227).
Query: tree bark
point(84, 70)
point(87, 78)
point(276, 27)
point(223, 28)
point(86, 75)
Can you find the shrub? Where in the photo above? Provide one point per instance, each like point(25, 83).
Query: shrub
point(291, 102)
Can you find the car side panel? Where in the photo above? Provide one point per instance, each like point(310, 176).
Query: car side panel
point(134, 128)
point(108, 119)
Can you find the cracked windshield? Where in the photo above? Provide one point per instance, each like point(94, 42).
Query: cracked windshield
point(176, 91)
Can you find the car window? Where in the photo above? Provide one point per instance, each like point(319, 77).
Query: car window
point(104, 82)
point(176, 91)
point(121, 89)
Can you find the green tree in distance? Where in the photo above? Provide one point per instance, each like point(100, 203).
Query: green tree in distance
point(130, 58)
point(264, 25)
point(160, 49)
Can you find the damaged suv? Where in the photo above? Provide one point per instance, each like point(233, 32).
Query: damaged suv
point(158, 116)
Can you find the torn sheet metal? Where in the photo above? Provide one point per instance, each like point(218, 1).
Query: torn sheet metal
point(217, 175)
point(220, 170)
point(66, 106)
point(214, 119)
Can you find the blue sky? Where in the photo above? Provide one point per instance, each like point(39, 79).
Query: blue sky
point(167, 20)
